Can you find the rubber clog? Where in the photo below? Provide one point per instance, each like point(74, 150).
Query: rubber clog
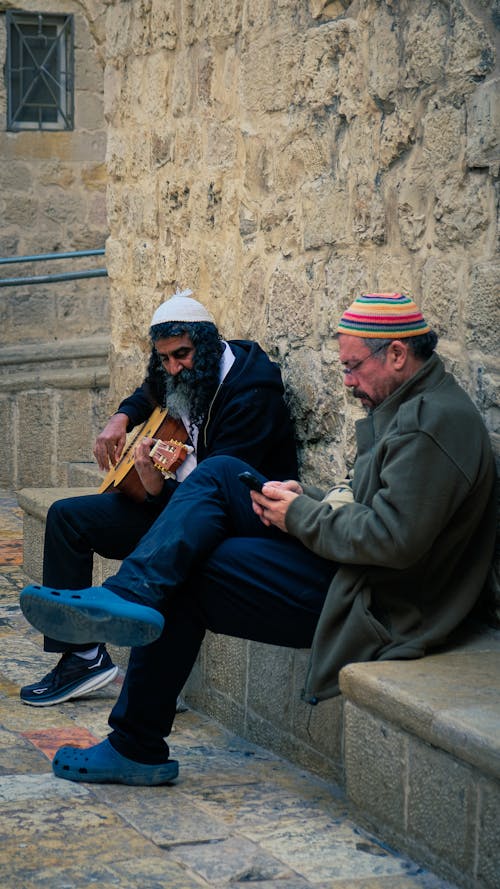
point(91, 615)
point(103, 764)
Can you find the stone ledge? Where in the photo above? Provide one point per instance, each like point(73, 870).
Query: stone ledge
point(56, 378)
point(450, 700)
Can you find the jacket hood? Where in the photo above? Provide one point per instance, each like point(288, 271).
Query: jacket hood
point(251, 368)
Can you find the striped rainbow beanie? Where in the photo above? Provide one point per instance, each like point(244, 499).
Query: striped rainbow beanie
point(383, 315)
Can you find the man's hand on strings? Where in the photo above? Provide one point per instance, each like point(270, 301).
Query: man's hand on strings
point(110, 442)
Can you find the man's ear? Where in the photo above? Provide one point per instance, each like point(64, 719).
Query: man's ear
point(398, 354)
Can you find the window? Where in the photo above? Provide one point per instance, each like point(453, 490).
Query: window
point(39, 71)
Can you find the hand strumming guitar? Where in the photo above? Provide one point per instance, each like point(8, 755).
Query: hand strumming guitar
point(110, 442)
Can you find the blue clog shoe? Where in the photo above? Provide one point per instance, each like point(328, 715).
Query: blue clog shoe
point(103, 764)
point(95, 614)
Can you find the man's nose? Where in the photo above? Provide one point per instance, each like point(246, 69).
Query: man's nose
point(173, 366)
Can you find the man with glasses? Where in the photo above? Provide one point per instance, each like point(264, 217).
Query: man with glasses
point(385, 568)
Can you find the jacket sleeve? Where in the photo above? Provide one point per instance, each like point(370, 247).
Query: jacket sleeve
point(137, 407)
point(420, 488)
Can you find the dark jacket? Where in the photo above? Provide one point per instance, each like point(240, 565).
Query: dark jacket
point(247, 418)
point(415, 547)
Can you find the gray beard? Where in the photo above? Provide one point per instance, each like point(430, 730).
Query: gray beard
point(178, 397)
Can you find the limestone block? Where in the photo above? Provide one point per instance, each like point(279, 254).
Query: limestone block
point(89, 112)
point(183, 80)
point(443, 126)
point(398, 134)
point(268, 72)
point(164, 25)
point(384, 72)
point(329, 67)
point(116, 155)
point(488, 853)
point(441, 804)
point(173, 205)
point(21, 209)
point(154, 89)
point(7, 434)
point(290, 298)
point(143, 261)
point(375, 758)
point(212, 18)
point(222, 146)
point(368, 213)
point(472, 54)
point(302, 157)
point(188, 143)
point(88, 71)
point(463, 211)
point(441, 291)
point(322, 725)
point(483, 126)
point(12, 174)
point(315, 407)
point(270, 683)
point(252, 302)
point(83, 311)
point(118, 29)
point(226, 665)
point(482, 307)
point(37, 437)
point(426, 46)
point(31, 314)
point(75, 440)
point(325, 211)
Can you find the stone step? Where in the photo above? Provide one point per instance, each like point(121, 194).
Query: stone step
point(422, 755)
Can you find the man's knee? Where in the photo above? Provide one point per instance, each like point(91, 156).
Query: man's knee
point(222, 465)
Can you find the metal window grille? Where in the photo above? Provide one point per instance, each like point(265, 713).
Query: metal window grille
point(40, 69)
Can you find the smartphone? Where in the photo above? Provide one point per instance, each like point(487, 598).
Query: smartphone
point(251, 481)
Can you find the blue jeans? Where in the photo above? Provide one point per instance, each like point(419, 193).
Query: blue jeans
point(209, 563)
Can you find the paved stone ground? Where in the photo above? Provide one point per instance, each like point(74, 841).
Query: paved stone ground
point(237, 816)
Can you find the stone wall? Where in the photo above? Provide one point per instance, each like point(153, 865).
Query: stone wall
point(279, 156)
point(53, 197)
point(54, 345)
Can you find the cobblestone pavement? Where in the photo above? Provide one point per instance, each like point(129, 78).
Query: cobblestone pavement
point(237, 816)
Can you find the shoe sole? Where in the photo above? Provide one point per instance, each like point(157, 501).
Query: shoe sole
point(88, 616)
point(91, 684)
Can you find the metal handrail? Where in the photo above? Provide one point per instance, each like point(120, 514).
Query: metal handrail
point(50, 279)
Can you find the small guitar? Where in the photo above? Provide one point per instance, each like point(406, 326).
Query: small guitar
point(124, 476)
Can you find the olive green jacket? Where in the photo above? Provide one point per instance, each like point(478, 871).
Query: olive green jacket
point(415, 546)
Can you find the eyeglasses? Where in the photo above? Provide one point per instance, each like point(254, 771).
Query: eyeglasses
point(350, 370)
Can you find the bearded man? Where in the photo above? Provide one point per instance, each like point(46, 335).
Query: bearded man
point(229, 396)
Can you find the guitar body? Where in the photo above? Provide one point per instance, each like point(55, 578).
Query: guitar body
point(124, 477)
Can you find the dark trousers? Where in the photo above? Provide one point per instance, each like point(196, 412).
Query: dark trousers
point(208, 562)
point(76, 528)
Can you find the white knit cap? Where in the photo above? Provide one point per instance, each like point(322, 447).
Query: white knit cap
point(180, 307)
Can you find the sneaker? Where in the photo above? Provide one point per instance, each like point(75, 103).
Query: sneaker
point(72, 677)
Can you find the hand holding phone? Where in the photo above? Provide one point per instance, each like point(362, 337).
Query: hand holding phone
point(251, 481)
